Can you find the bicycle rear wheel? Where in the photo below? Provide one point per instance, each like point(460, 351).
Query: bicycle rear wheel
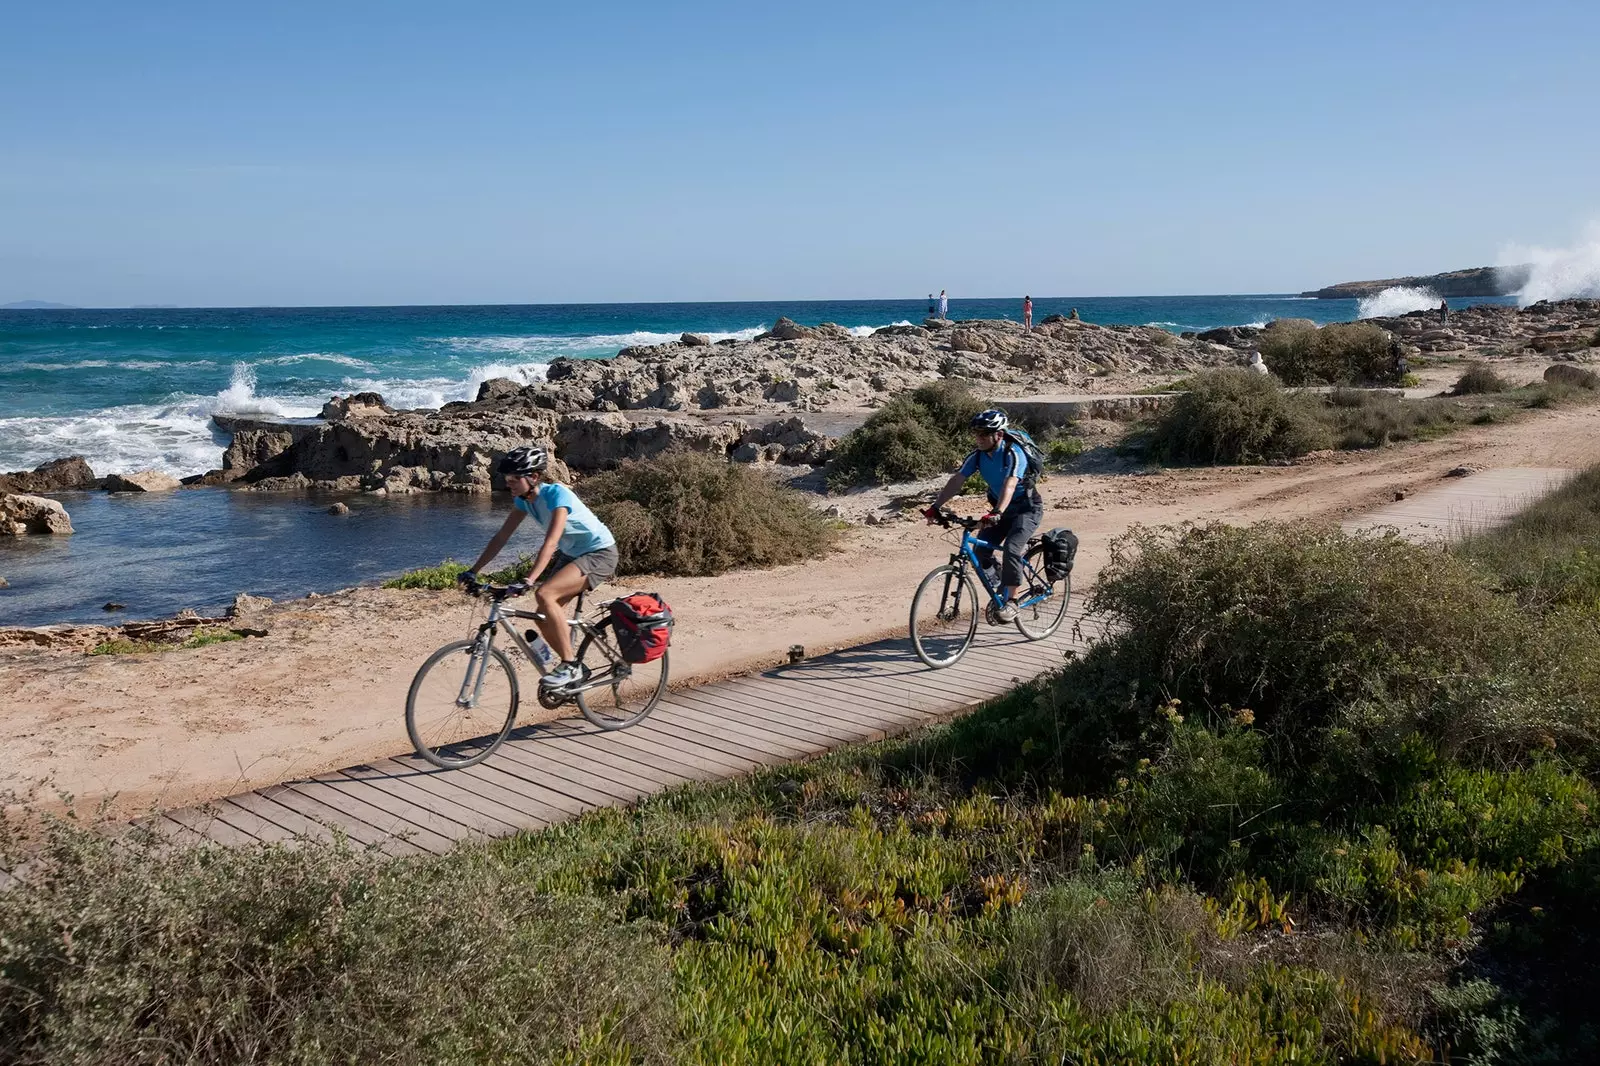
point(632, 689)
point(1045, 617)
point(462, 704)
point(944, 616)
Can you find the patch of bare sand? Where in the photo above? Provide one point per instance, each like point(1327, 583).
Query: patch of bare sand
point(327, 687)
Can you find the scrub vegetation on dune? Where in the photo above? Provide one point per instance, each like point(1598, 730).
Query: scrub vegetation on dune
point(1317, 797)
point(682, 514)
point(1233, 416)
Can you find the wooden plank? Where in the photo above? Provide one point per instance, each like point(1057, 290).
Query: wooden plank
point(291, 821)
point(251, 825)
point(450, 801)
point(355, 800)
point(328, 820)
point(694, 765)
point(486, 794)
point(208, 823)
point(771, 713)
point(891, 711)
point(548, 771)
point(746, 729)
point(672, 719)
point(844, 720)
point(601, 751)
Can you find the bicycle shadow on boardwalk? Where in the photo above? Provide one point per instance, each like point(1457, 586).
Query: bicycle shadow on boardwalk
point(884, 658)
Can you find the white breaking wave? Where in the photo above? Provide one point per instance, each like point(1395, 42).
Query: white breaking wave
point(1559, 273)
point(318, 357)
point(176, 437)
point(1399, 300)
point(867, 331)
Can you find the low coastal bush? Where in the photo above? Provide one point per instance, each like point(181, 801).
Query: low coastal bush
point(1360, 419)
point(1478, 379)
point(1236, 416)
point(694, 515)
point(915, 435)
point(1314, 797)
point(1344, 353)
point(443, 577)
point(128, 950)
point(200, 638)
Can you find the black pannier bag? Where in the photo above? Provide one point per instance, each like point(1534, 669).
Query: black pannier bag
point(1060, 549)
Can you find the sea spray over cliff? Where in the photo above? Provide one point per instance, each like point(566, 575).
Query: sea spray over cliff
point(1399, 300)
point(1560, 273)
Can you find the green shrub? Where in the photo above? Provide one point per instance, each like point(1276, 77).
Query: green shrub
point(1479, 378)
point(690, 514)
point(1308, 627)
point(128, 950)
point(199, 638)
point(1346, 353)
point(1236, 416)
point(915, 435)
point(443, 577)
point(1362, 419)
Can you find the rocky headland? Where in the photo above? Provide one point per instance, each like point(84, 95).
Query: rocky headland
point(1458, 284)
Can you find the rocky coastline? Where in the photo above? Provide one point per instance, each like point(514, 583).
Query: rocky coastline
point(782, 398)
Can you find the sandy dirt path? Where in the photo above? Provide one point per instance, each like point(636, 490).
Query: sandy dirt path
point(326, 688)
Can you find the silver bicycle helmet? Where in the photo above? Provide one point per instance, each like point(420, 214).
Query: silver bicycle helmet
point(523, 462)
point(992, 421)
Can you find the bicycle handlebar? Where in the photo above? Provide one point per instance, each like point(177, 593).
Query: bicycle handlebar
point(496, 592)
point(947, 518)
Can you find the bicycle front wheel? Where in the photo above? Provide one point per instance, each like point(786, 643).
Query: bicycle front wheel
point(944, 616)
point(1041, 619)
point(628, 691)
point(462, 704)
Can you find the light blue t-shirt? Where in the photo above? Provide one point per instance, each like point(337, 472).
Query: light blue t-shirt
point(584, 533)
point(1007, 460)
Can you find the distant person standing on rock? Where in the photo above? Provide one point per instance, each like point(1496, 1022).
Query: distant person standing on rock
point(931, 306)
point(1444, 312)
point(1074, 315)
point(1027, 312)
point(944, 305)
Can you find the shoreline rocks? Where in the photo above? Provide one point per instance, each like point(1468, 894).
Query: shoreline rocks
point(58, 475)
point(141, 481)
point(22, 514)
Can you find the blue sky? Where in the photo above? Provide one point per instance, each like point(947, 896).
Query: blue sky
point(339, 153)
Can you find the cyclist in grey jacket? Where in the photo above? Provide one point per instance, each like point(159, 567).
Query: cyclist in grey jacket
point(1015, 506)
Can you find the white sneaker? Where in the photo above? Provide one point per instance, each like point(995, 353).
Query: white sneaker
point(1007, 614)
point(564, 676)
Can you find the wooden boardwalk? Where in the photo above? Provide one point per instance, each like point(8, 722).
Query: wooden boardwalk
point(553, 771)
point(1466, 504)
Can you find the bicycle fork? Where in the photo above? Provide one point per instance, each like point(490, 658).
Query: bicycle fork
point(477, 670)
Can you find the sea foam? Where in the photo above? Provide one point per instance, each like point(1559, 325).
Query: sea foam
point(1559, 273)
point(1399, 300)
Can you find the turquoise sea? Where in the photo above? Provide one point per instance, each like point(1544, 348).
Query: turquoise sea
point(136, 389)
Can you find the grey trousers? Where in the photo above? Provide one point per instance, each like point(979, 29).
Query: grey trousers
point(1012, 534)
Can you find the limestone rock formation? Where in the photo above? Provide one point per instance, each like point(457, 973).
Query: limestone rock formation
point(21, 514)
point(141, 481)
point(58, 475)
point(356, 405)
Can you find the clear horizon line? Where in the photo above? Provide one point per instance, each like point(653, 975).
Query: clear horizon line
point(654, 303)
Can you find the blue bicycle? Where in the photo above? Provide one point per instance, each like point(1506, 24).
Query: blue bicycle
point(944, 612)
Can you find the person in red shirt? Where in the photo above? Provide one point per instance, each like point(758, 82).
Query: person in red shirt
point(1027, 312)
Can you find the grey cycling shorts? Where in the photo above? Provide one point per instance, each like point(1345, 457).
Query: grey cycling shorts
point(597, 567)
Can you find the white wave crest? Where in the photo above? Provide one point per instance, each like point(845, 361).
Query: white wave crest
point(867, 331)
point(1559, 273)
point(1399, 300)
point(318, 357)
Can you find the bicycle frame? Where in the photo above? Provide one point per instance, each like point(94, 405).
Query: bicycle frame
point(967, 554)
point(501, 618)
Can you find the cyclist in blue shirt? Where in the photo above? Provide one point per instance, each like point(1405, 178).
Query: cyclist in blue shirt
point(1015, 506)
point(578, 551)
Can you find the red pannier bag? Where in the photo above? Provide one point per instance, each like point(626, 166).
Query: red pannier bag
point(643, 624)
